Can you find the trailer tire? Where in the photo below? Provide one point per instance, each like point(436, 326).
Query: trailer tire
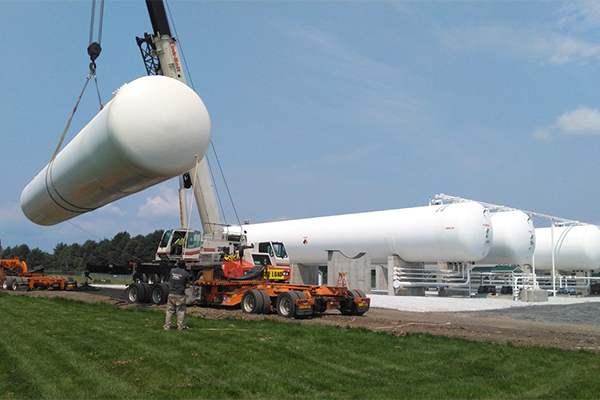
point(160, 293)
point(252, 302)
point(6, 282)
point(349, 307)
point(132, 293)
point(286, 304)
point(320, 307)
point(14, 283)
point(266, 302)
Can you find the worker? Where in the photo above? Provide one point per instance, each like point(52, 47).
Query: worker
point(179, 279)
point(178, 246)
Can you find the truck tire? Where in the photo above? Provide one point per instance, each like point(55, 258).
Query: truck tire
point(147, 298)
point(132, 293)
point(266, 301)
point(286, 304)
point(152, 279)
point(252, 302)
point(160, 293)
point(14, 283)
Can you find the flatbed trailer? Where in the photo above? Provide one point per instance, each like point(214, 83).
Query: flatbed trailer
point(35, 281)
point(259, 297)
point(14, 274)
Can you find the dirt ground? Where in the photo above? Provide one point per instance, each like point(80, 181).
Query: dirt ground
point(571, 327)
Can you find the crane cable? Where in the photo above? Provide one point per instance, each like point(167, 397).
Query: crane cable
point(94, 49)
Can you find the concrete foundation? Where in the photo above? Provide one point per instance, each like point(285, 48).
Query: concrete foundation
point(304, 275)
point(533, 295)
point(396, 262)
point(357, 270)
point(381, 277)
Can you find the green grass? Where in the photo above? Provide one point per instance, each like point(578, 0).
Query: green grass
point(55, 348)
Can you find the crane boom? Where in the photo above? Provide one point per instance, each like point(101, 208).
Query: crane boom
point(161, 55)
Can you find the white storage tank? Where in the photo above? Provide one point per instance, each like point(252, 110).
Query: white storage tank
point(452, 233)
point(514, 239)
point(151, 131)
point(576, 248)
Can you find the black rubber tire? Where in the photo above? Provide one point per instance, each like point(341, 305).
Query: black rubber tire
point(286, 304)
point(147, 298)
point(6, 283)
point(252, 302)
point(266, 302)
point(160, 293)
point(153, 279)
point(348, 306)
point(14, 285)
point(132, 293)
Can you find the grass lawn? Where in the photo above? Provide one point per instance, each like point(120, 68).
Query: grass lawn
point(53, 348)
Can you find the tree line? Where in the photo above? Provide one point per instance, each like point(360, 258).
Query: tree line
point(119, 250)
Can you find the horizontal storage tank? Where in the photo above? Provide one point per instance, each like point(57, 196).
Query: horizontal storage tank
point(514, 239)
point(452, 232)
point(151, 131)
point(576, 248)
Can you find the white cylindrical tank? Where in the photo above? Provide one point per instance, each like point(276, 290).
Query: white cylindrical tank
point(514, 239)
point(576, 248)
point(454, 233)
point(151, 131)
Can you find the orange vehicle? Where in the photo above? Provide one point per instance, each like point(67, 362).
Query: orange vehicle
point(260, 295)
point(14, 274)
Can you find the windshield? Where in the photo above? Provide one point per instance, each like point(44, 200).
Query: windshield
point(279, 250)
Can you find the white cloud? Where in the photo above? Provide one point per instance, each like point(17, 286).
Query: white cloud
point(583, 121)
point(560, 43)
point(111, 209)
point(166, 204)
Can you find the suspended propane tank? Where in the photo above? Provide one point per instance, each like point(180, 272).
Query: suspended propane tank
point(576, 248)
point(514, 239)
point(151, 131)
point(458, 232)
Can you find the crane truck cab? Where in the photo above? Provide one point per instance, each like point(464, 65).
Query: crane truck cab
point(229, 251)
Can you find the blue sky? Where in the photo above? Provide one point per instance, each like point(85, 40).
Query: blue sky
point(324, 107)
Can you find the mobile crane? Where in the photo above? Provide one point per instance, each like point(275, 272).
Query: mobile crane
point(227, 270)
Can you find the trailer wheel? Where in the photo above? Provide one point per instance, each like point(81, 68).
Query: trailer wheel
point(252, 302)
point(6, 282)
point(286, 304)
point(160, 293)
point(132, 293)
point(349, 307)
point(14, 283)
point(266, 302)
